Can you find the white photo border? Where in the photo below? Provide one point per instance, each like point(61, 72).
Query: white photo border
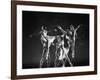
point(36, 71)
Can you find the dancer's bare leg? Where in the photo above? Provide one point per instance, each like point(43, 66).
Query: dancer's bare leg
point(69, 60)
point(43, 57)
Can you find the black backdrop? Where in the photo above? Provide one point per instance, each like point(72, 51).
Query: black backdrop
point(32, 47)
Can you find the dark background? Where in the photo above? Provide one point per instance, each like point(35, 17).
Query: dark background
point(31, 45)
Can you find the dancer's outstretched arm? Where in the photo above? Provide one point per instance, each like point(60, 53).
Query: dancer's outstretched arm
point(61, 29)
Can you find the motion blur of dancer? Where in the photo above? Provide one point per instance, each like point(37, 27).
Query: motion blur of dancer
point(67, 38)
point(65, 45)
point(63, 51)
point(47, 41)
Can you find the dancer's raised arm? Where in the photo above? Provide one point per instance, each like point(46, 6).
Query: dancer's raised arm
point(77, 27)
point(59, 27)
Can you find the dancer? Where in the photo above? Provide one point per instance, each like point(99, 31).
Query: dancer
point(74, 32)
point(65, 50)
point(47, 41)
